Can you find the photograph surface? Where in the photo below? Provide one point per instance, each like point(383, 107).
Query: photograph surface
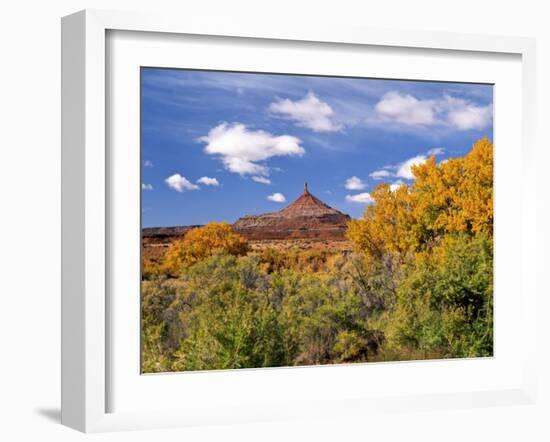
point(298, 220)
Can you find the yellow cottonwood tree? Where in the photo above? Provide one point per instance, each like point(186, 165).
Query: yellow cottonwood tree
point(386, 225)
point(455, 196)
point(202, 242)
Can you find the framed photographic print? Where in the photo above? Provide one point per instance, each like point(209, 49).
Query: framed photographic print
point(400, 272)
point(292, 223)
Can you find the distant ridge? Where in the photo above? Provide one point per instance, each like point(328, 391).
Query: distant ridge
point(164, 235)
point(306, 217)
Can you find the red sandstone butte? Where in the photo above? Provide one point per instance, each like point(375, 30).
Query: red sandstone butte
point(307, 217)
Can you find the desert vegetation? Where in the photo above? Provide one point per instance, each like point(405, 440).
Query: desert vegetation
point(416, 283)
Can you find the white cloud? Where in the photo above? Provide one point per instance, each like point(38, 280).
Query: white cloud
point(261, 179)
point(362, 198)
point(207, 181)
point(436, 151)
point(146, 186)
point(148, 163)
point(243, 151)
point(406, 109)
point(379, 174)
point(464, 115)
point(447, 111)
point(355, 183)
point(277, 197)
point(396, 185)
point(404, 169)
point(308, 112)
point(180, 183)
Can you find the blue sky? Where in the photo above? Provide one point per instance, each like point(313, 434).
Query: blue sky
point(219, 145)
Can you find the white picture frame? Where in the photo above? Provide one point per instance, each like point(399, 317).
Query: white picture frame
point(86, 356)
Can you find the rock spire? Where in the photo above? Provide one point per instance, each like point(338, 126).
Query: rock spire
point(306, 217)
